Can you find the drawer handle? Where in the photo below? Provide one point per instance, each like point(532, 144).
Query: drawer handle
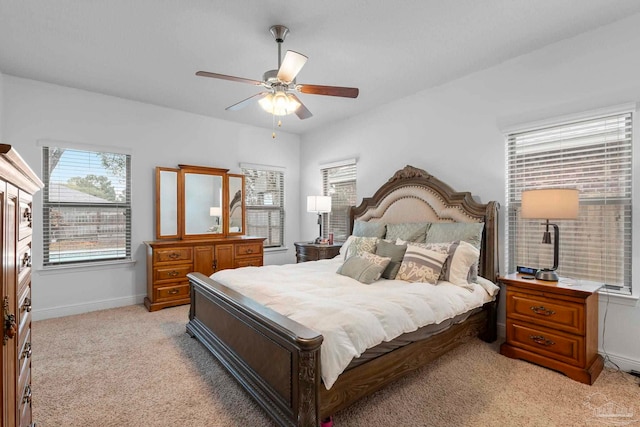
point(249, 250)
point(26, 305)
point(27, 351)
point(26, 396)
point(172, 273)
point(174, 255)
point(539, 339)
point(173, 291)
point(26, 260)
point(27, 214)
point(541, 310)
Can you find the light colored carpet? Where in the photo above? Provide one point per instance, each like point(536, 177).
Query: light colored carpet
point(129, 367)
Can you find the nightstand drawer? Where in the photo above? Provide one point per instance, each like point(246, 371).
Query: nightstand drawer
point(546, 342)
point(173, 254)
point(562, 315)
point(172, 272)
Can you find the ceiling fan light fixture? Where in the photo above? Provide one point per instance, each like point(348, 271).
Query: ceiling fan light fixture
point(279, 103)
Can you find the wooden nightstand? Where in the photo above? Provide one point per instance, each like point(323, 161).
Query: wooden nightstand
point(553, 324)
point(314, 251)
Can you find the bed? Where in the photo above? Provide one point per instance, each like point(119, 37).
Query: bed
point(278, 360)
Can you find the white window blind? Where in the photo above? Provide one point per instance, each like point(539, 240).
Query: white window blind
point(593, 156)
point(87, 206)
point(339, 182)
point(264, 202)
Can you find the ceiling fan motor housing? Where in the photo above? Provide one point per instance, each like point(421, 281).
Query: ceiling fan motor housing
point(279, 32)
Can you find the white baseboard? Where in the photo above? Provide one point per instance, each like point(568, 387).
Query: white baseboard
point(69, 310)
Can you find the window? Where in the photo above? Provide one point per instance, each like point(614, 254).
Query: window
point(264, 188)
point(339, 182)
point(593, 156)
point(86, 206)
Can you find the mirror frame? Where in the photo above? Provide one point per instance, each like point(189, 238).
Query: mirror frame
point(242, 204)
point(181, 171)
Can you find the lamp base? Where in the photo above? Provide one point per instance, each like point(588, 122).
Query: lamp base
point(547, 275)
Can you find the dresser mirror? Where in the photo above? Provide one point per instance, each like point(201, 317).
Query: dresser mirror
point(236, 204)
point(167, 203)
point(198, 202)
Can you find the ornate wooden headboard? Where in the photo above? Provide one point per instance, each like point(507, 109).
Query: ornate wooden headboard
point(413, 195)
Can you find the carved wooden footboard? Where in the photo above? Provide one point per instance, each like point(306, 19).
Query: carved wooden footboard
point(276, 359)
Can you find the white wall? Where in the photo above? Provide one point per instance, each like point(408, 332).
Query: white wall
point(455, 132)
point(156, 136)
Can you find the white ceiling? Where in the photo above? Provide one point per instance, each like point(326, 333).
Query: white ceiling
point(149, 50)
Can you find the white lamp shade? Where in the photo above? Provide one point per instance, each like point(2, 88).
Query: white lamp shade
point(215, 211)
point(318, 204)
point(550, 203)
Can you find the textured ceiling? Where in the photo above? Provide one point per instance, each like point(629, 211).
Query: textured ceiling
point(149, 50)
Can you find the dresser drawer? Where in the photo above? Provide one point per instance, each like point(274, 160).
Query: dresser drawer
point(24, 401)
point(171, 291)
point(173, 254)
point(249, 262)
point(174, 272)
point(248, 249)
point(563, 315)
point(25, 215)
point(556, 345)
point(23, 314)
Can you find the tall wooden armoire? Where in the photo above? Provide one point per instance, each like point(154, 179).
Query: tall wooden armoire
point(17, 185)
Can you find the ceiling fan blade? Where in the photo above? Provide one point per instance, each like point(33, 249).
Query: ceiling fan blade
point(237, 106)
point(291, 66)
point(225, 77)
point(302, 112)
point(346, 92)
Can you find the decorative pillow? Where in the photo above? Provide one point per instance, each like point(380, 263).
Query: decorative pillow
point(461, 256)
point(369, 229)
point(393, 251)
point(365, 268)
point(359, 245)
point(471, 232)
point(408, 231)
point(421, 265)
point(345, 246)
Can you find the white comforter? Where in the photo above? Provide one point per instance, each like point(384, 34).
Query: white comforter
point(351, 316)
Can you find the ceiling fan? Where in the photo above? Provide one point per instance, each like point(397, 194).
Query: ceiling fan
point(279, 98)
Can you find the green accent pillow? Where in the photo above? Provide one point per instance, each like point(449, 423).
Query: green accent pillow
point(368, 229)
point(408, 231)
point(442, 232)
point(393, 251)
point(365, 268)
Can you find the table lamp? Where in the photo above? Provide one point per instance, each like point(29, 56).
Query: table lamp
point(319, 205)
point(550, 203)
point(216, 212)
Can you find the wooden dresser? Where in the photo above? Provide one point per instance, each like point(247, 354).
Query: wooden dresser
point(315, 251)
point(17, 185)
point(553, 324)
point(169, 262)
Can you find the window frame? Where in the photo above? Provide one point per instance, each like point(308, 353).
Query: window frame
point(121, 254)
point(338, 220)
point(269, 209)
point(512, 205)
